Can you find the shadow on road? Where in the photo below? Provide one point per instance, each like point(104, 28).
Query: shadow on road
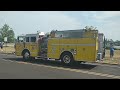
point(55, 63)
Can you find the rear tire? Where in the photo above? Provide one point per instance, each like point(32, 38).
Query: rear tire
point(67, 59)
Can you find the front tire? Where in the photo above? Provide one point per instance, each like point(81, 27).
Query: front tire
point(26, 56)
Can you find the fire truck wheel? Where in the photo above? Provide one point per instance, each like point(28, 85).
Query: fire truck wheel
point(67, 59)
point(26, 55)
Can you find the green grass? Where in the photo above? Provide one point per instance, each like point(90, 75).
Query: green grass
point(8, 49)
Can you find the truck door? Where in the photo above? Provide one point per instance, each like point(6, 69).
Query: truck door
point(27, 41)
point(19, 46)
point(33, 46)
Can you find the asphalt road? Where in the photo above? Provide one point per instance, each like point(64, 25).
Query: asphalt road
point(12, 67)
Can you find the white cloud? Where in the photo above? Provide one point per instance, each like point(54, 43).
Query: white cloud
point(30, 22)
point(109, 23)
point(103, 15)
point(23, 22)
point(106, 13)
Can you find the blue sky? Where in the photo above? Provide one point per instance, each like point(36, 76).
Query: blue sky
point(23, 22)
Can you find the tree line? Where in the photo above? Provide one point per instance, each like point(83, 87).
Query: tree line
point(110, 41)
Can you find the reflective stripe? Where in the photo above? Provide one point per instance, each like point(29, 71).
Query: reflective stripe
point(76, 44)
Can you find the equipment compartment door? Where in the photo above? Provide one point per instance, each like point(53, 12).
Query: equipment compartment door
point(53, 49)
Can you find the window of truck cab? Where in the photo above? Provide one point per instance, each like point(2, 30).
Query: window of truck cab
point(27, 39)
point(20, 39)
point(33, 39)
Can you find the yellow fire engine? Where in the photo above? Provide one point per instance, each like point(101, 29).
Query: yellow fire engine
point(67, 46)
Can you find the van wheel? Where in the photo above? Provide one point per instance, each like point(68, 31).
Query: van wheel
point(67, 59)
point(26, 55)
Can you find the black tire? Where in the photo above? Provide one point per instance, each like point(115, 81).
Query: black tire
point(67, 59)
point(26, 56)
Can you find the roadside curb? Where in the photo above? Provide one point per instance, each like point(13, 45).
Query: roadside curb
point(108, 63)
point(7, 53)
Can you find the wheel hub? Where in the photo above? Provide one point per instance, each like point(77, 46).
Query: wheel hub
point(27, 55)
point(66, 59)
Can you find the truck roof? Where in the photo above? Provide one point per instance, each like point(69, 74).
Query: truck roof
point(76, 30)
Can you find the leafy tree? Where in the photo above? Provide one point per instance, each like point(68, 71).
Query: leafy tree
point(90, 28)
point(8, 32)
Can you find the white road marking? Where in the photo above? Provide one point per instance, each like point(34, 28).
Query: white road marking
point(116, 77)
point(100, 64)
point(69, 69)
point(104, 74)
